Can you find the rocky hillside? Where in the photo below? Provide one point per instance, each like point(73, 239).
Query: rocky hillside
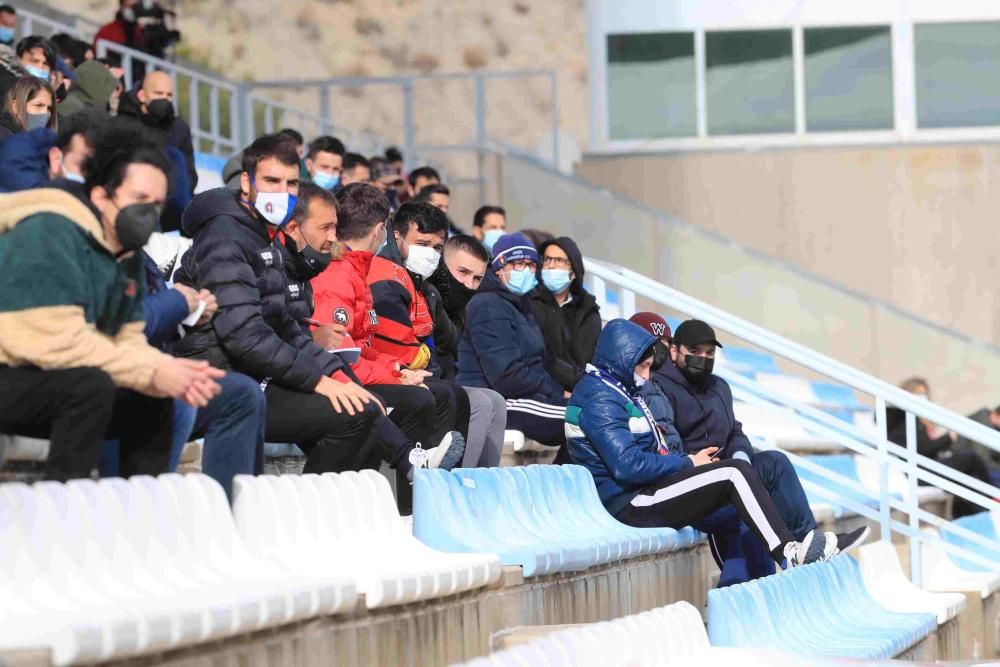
point(292, 39)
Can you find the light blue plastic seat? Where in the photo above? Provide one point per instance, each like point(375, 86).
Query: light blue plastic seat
point(843, 465)
point(981, 524)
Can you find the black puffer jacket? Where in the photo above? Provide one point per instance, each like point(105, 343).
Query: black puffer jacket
point(570, 331)
point(254, 331)
point(301, 304)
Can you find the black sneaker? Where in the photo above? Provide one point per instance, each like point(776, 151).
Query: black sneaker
point(855, 538)
point(815, 547)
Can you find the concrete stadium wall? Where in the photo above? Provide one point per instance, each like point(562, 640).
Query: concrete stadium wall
point(913, 226)
point(965, 374)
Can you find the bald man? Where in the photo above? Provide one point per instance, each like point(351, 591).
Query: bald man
point(152, 102)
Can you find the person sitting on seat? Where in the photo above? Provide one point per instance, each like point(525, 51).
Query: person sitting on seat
point(611, 432)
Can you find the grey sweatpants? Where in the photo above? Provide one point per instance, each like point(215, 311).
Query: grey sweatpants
point(487, 421)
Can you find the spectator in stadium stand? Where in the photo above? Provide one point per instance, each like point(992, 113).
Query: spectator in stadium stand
point(489, 224)
point(95, 84)
point(448, 290)
point(356, 169)
point(702, 408)
point(934, 443)
point(394, 157)
point(28, 105)
point(152, 102)
point(502, 347)
point(404, 328)
point(73, 51)
point(8, 25)
point(34, 56)
point(313, 398)
point(339, 300)
point(641, 480)
point(538, 236)
point(567, 314)
point(32, 158)
point(324, 160)
point(439, 196)
point(300, 148)
point(990, 418)
point(421, 177)
point(141, 26)
point(75, 366)
point(387, 179)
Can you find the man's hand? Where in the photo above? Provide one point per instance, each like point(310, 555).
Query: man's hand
point(211, 306)
point(413, 378)
point(193, 382)
point(190, 295)
point(346, 396)
point(567, 394)
point(704, 456)
point(330, 336)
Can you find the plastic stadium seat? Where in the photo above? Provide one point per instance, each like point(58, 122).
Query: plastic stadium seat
point(890, 587)
point(899, 486)
point(817, 610)
point(748, 362)
point(844, 465)
point(940, 574)
point(542, 518)
point(982, 524)
point(348, 524)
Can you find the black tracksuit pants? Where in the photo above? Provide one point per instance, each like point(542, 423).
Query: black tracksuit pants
point(77, 409)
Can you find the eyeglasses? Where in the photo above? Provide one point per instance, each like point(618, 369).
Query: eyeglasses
point(521, 264)
point(557, 262)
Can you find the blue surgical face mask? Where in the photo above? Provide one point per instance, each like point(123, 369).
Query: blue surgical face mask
point(522, 281)
point(37, 72)
point(36, 121)
point(491, 237)
point(325, 180)
point(555, 280)
point(6, 35)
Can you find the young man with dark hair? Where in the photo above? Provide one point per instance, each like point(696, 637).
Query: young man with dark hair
point(438, 196)
point(339, 297)
point(312, 398)
point(8, 24)
point(421, 177)
point(567, 313)
point(38, 56)
point(489, 224)
point(394, 157)
point(324, 160)
point(296, 138)
point(75, 366)
point(502, 347)
point(356, 169)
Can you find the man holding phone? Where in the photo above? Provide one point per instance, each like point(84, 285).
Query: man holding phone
point(700, 409)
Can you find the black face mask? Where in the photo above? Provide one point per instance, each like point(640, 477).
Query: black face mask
point(160, 112)
point(454, 294)
point(134, 225)
point(61, 92)
point(661, 354)
point(316, 261)
point(698, 369)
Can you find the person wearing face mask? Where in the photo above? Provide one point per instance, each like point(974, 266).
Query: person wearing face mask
point(502, 347)
point(8, 24)
point(702, 405)
point(567, 314)
point(75, 365)
point(313, 397)
point(489, 224)
point(405, 326)
point(642, 477)
point(28, 105)
point(324, 159)
point(32, 159)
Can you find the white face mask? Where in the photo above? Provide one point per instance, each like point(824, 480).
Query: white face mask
point(422, 260)
point(638, 379)
point(275, 207)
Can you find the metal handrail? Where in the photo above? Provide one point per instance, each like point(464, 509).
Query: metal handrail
point(888, 455)
point(27, 22)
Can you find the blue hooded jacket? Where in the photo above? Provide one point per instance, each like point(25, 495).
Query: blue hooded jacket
point(502, 347)
point(608, 433)
point(25, 160)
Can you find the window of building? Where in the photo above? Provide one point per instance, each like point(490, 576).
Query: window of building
point(957, 73)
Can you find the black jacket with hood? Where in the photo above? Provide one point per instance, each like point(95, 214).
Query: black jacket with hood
point(571, 330)
point(254, 331)
point(177, 132)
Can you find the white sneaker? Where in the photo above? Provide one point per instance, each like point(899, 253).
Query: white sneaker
point(814, 548)
point(446, 455)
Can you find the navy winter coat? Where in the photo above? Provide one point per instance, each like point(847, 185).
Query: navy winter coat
point(502, 347)
point(703, 415)
point(25, 160)
point(607, 432)
point(163, 308)
point(253, 331)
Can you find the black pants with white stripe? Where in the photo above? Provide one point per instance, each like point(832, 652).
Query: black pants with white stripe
point(686, 497)
point(542, 422)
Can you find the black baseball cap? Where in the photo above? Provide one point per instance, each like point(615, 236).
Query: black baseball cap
point(692, 333)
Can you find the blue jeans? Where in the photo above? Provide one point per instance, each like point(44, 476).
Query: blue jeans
point(233, 427)
point(782, 482)
point(184, 416)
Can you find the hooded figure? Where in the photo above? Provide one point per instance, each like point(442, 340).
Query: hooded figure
point(11, 69)
point(25, 160)
point(570, 327)
point(93, 88)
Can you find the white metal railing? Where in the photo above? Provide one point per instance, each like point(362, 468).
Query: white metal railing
point(31, 23)
point(889, 456)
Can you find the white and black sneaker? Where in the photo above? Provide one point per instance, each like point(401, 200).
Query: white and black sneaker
point(815, 547)
point(446, 456)
point(855, 538)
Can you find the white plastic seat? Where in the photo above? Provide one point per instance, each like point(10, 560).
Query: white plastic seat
point(940, 574)
point(888, 585)
point(350, 519)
